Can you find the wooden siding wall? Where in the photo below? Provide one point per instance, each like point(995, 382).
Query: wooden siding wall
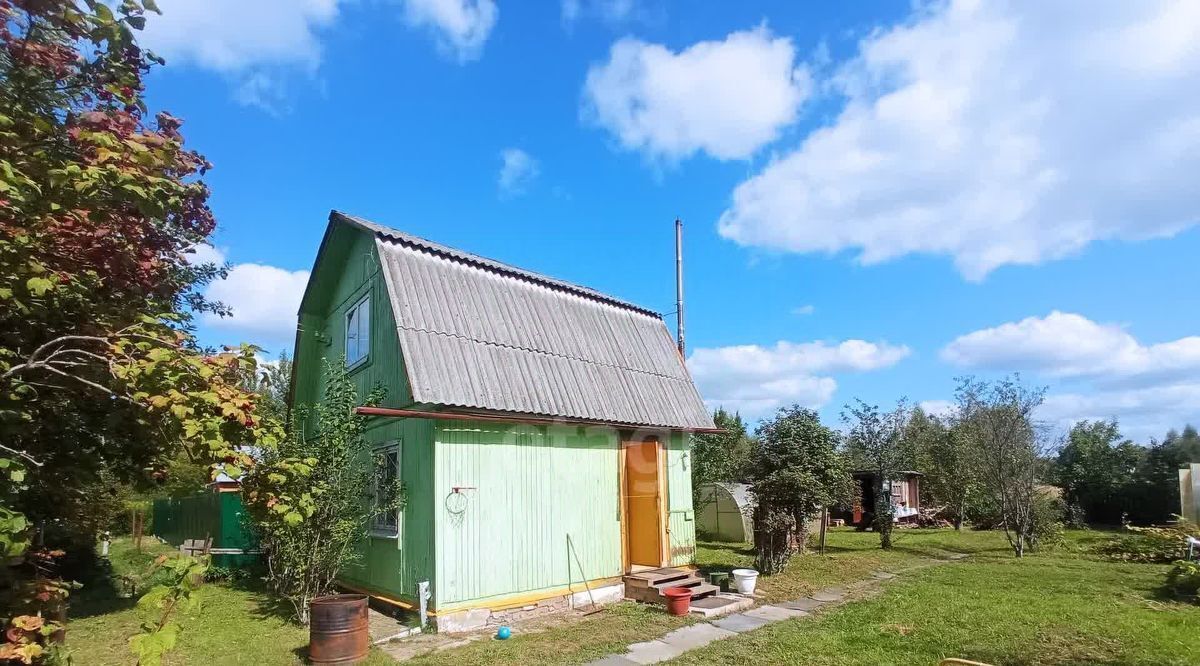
point(525, 488)
point(682, 517)
point(349, 270)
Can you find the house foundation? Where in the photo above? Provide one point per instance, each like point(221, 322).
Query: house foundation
point(475, 619)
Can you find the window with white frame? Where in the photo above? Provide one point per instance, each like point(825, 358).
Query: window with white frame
point(358, 332)
point(387, 476)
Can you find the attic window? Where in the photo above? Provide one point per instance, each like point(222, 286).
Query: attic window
point(358, 332)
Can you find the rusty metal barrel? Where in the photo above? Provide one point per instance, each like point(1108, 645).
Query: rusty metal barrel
point(337, 632)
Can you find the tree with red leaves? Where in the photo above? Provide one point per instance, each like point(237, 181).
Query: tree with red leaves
point(101, 205)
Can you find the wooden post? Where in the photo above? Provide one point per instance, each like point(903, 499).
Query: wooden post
point(824, 526)
point(138, 520)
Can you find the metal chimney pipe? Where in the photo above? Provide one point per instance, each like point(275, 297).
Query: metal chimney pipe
point(679, 284)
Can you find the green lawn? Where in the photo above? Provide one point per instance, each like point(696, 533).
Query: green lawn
point(231, 626)
point(851, 556)
point(1064, 607)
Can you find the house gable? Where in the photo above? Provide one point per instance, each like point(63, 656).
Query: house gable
point(347, 271)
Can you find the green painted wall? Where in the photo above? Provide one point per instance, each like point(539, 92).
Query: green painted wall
point(394, 565)
point(532, 486)
point(681, 517)
point(347, 270)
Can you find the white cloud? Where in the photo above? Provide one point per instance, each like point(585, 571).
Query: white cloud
point(265, 91)
point(1100, 370)
point(804, 310)
point(756, 380)
point(726, 98)
point(461, 26)
point(264, 300)
point(259, 46)
point(995, 133)
point(611, 11)
point(517, 171)
point(938, 408)
point(232, 35)
point(1142, 412)
point(1069, 345)
point(206, 254)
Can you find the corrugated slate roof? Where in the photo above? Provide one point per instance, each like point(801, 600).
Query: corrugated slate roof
point(480, 334)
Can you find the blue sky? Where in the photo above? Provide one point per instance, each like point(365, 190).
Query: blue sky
point(877, 196)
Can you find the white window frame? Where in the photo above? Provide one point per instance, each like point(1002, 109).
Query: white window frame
point(362, 331)
point(379, 525)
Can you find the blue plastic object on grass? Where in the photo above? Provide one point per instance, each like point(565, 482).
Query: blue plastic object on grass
point(503, 633)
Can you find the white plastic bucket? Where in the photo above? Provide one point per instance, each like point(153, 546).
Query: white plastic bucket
point(745, 580)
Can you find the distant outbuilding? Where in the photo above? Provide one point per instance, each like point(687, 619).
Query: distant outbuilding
point(1189, 492)
point(724, 512)
point(904, 489)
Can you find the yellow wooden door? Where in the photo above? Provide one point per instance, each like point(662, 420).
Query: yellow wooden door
point(643, 503)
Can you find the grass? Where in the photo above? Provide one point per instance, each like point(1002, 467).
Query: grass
point(231, 626)
point(575, 642)
point(851, 556)
point(1062, 607)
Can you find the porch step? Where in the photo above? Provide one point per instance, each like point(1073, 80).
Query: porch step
point(655, 576)
point(647, 586)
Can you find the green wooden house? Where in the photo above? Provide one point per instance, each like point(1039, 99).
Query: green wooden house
point(542, 429)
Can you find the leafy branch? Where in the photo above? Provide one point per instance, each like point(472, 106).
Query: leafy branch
point(185, 575)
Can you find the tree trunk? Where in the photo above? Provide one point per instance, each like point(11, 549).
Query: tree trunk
point(883, 513)
point(773, 535)
point(801, 534)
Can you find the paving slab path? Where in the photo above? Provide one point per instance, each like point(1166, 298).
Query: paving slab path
point(696, 636)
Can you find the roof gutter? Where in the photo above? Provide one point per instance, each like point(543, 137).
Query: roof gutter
point(391, 412)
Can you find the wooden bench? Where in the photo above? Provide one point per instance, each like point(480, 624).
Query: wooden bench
point(196, 546)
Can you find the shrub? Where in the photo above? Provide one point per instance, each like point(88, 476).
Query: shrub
point(796, 470)
point(983, 512)
point(1075, 517)
point(236, 575)
point(312, 498)
point(1184, 578)
point(1047, 532)
point(1149, 544)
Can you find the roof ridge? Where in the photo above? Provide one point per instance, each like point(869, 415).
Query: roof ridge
point(544, 352)
point(490, 264)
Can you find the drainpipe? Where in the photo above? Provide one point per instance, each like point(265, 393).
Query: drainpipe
point(423, 598)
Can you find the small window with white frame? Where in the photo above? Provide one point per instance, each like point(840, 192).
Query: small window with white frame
point(386, 520)
point(358, 332)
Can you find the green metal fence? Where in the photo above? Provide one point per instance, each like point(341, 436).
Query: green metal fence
point(215, 515)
